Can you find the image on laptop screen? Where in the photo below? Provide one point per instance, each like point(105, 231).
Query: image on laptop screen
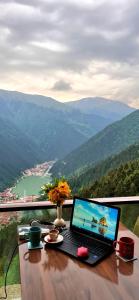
point(96, 218)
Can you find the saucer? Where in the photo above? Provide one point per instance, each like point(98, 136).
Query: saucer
point(126, 259)
point(58, 240)
point(30, 247)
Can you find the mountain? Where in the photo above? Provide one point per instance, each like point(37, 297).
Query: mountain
point(92, 174)
point(56, 128)
point(114, 110)
point(111, 140)
point(35, 128)
point(17, 153)
point(39, 100)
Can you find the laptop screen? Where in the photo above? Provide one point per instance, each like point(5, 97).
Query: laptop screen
point(95, 218)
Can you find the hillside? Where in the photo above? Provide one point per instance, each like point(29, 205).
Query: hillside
point(94, 173)
point(17, 153)
point(110, 141)
point(111, 109)
point(122, 181)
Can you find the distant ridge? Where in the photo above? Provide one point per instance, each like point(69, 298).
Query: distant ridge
point(103, 107)
point(53, 114)
point(39, 100)
point(47, 121)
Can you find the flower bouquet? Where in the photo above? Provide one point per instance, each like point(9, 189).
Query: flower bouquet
point(56, 193)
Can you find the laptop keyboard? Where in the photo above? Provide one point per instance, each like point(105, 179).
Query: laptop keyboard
point(74, 240)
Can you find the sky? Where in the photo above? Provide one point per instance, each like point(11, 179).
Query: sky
point(71, 49)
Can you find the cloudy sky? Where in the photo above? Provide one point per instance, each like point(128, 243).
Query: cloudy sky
point(70, 49)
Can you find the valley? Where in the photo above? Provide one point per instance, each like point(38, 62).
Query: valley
point(27, 187)
point(83, 139)
point(34, 129)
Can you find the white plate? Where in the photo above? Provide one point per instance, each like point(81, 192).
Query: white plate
point(59, 239)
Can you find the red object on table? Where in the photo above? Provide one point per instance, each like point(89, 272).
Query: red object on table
point(82, 252)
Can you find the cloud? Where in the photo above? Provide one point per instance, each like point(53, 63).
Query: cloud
point(84, 44)
point(61, 85)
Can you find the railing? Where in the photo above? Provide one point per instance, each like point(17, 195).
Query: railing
point(129, 208)
point(31, 205)
point(68, 203)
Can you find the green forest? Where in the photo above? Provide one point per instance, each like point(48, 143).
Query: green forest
point(123, 181)
point(91, 174)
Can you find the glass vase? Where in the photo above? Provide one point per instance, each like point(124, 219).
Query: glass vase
point(59, 221)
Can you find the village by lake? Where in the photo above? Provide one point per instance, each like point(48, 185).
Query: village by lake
point(32, 180)
point(28, 186)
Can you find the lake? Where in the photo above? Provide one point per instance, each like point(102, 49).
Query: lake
point(30, 185)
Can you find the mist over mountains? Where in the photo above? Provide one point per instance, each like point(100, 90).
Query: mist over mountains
point(36, 128)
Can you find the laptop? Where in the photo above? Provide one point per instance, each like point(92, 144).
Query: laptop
point(93, 225)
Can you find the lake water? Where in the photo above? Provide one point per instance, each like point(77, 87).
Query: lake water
point(30, 185)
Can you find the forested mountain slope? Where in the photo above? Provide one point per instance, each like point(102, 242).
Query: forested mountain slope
point(111, 140)
point(122, 181)
point(94, 173)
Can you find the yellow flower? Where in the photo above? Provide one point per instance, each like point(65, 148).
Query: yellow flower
point(57, 193)
point(64, 189)
point(54, 195)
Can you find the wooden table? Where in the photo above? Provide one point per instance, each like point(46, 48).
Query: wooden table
point(51, 275)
